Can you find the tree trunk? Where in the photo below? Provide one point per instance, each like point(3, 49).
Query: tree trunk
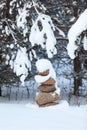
point(77, 75)
point(0, 92)
point(77, 63)
point(7, 8)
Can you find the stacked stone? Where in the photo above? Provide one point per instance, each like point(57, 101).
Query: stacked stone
point(48, 95)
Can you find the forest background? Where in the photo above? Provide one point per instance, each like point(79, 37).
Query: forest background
point(14, 35)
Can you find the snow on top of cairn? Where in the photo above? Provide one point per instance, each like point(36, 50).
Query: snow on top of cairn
point(43, 65)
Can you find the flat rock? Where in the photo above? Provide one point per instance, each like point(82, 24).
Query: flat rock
point(47, 88)
point(44, 73)
point(50, 81)
point(45, 98)
point(49, 104)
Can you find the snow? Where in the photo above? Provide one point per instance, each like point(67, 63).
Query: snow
point(7, 30)
point(76, 29)
point(41, 79)
point(12, 2)
point(85, 42)
point(2, 5)
point(43, 65)
point(21, 64)
point(72, 19)
point(61, 32)
point(31, 117)
point(21, 18)
point(44, 35)
point(11, 46)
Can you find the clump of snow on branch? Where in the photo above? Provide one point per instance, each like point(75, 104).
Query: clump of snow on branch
point(74, 33)
point(7, 30)
point(12, 2)
point(85, 42)
point(21, 20)
point(43, 65)
point(61, 33)
point(21, 65)
point(42, 34)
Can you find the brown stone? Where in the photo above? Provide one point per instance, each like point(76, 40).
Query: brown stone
point(47, 88)
point(45, 98)
point(49, 104)
point(44, 73)
point(50, 81)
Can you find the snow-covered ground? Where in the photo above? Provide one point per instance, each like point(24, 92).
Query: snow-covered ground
point(31, 117)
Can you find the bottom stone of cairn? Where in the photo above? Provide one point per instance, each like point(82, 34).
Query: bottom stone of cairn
point(47, 99)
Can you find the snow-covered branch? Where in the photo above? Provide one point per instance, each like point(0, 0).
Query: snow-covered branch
point(21, 64)
point(75, 33)
point(42, 34)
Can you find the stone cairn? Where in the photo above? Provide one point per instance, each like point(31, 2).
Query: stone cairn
point(47, 95)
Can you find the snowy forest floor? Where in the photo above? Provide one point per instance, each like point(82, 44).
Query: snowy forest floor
point(19, 110)
point(31, 117)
